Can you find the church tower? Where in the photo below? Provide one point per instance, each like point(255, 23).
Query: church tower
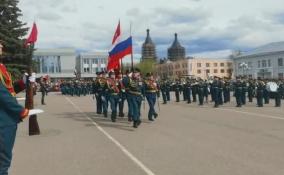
point(148, 48)
point(176, 51)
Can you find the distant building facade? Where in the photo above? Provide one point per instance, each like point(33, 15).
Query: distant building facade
point(176, 51)
point(196, 67)
point(265, 62)
point(56, 63)
point(88, 64)
point(148, 48)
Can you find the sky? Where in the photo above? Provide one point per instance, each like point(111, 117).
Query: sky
point(206, 28)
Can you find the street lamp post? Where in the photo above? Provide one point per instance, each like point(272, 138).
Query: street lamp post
point(244, 67)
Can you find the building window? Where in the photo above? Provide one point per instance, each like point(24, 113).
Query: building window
point(222, 71)
point(215, 71)
point(258, 64)
point(215, 64)
point(199, 65)
point(199, 71)
point(207, 64)
point(229, 71)
point(250, 64)
point(269, 63)
point(208, 71)
point(222, 64)
point(280, 61)
point(229, 64)
point(264, 63)
point(280, 75)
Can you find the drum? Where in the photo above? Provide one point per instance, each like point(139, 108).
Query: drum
point(272, 86)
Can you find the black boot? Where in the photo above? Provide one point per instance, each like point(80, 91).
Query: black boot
point(155, 115)
point(135, 124)
point(105, 114)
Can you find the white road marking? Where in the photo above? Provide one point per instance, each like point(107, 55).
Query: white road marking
point(119, 145)
point(253, 114)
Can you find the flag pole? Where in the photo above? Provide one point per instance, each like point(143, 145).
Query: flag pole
point(33, 124)
point(132, 67)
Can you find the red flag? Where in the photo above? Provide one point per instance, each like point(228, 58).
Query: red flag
point(116, 34)
point(33, 36)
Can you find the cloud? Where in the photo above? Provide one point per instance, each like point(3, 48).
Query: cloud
point(48, 16)
point(203, 26)
point(69, 9)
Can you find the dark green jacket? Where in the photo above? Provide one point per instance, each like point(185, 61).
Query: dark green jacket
point(10, 110)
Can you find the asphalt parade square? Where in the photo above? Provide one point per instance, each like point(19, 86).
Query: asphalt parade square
point(184, 139)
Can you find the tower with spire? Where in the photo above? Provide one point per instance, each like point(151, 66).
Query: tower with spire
point(176, 51)
point(148, 48)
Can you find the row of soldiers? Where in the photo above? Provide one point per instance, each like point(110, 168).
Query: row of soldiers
point(220, 91)
point(114, 89)
point(76, 88)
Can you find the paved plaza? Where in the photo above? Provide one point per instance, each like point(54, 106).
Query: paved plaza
point(186, 139)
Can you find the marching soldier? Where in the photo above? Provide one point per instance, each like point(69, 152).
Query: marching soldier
point(200, 91)
point(113, 94)
point(226, 90)
point(278, 95)
point(126, 84)
point(184, 90)
point(215, 87)
point(266, 94)
point(251, 90)
point(188, 88)
point(100, 93)
point(177, 89)
point(220, 92)
point(194, 90)
point(163, 90)
point(122, 94)
point(151, 91)
point(238, 92)
point(206, 92)
point(244, 91)
point(259, 95)
point(168, 90)
point(135, 96)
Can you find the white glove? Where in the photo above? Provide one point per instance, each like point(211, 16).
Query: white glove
point(35, 111)
point(25, 78)
point(33, 78)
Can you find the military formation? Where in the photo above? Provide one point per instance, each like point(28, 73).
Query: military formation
point(114, 89)
point(221, 89)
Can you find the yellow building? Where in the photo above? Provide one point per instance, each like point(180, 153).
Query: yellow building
point(196, 67)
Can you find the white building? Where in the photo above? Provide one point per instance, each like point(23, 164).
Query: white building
point(265, 62)
point(88, 64)
point(56, 63)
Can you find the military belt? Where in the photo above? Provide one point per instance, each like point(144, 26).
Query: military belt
point(151, 91)
point(134, 93)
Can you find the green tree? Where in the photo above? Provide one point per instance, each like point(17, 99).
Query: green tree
point(146, 66)
point(12, 31)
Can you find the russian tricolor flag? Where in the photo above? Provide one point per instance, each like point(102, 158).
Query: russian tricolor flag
point(118, 52)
